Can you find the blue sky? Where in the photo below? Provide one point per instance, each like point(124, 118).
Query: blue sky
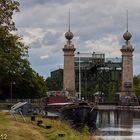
point(97, 25)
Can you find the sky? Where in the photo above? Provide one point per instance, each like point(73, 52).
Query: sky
point(97, 25)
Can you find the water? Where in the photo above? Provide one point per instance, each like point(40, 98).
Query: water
point(118, 125)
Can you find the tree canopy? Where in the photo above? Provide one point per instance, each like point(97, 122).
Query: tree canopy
point(7, 8)
point(15, 69)
point(137, 84)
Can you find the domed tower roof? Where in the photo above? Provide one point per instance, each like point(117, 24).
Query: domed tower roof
point(127, 46)
point(69, 35)
point(127, 35)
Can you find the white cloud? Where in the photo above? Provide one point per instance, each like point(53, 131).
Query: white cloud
point(44, 57)
point(108, 45)
point(98, 25)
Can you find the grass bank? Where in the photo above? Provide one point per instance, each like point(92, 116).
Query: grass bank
point(19, 130)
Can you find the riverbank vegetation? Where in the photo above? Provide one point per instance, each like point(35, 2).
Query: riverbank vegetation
point(19, 130)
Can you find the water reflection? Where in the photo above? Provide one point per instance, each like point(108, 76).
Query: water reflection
point(119, 123)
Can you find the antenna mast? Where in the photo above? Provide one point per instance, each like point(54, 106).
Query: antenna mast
point(69, 19)
point(127, 20)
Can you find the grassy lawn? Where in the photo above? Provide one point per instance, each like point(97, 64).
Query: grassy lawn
point(19, 130)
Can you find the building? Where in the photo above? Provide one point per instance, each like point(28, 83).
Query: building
point(57, 78)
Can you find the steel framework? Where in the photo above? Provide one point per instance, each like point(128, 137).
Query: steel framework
point(98, 74)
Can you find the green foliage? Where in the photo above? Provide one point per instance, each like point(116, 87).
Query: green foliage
point(15, 69)
point(7, 8)
point(12, 51)
point(31, 85)
point(11, 47)
point(53, 84)
point(28, 83)
point(137, 84)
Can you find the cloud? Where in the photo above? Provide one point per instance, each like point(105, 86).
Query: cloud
point(108, 45)
point(97, 26)
point(44, 57)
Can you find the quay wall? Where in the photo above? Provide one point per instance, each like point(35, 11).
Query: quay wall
point(116, 107)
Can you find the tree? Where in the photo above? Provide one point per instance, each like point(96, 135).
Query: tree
point(14, 66)
point(53, 84)
point(12, 51)
point(11, 47)
point(137, 84)
point(7, 8)
point(28, 84)
point(31, 85)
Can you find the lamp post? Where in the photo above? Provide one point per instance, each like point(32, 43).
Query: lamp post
point(85, 96)
point(11, 90)
point(79, 76)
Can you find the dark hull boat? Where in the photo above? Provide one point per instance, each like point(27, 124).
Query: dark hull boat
point(79, 114)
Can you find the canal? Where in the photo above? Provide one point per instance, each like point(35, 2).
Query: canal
point(118, 125)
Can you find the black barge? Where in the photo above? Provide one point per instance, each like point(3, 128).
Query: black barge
point(81, 113)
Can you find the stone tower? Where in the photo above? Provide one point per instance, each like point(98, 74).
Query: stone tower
point(69, 70)
point(127, 67)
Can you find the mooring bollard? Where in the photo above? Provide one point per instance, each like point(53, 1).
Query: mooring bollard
point(48, 126)
point(39, 122)
point(61, 134)
point(32, 118)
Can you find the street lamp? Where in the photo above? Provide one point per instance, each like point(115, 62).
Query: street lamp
point(79, 76)
point(85, 96)
point(11, 90)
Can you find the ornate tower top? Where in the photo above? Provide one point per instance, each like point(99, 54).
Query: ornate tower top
point(69, 35)
point(127, 36)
